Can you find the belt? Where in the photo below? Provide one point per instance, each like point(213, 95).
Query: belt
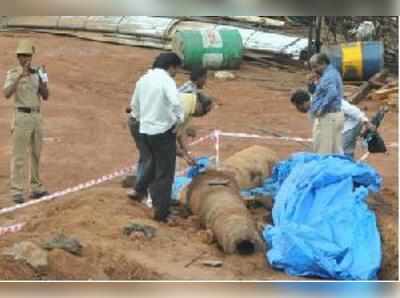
point(28, 110)
point(332, 111)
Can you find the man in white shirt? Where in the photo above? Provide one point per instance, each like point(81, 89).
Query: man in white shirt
point(355, 121)
point(156, 105)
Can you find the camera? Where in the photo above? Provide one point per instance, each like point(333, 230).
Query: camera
point(43, 74)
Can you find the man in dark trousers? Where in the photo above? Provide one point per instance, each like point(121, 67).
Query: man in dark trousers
point(133, 125)
point(157, 107)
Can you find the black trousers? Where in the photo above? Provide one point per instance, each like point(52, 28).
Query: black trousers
point(160, 154)
point(141, 184)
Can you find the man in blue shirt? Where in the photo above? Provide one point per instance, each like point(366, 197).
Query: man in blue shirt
point(326, 107)
point(355, 121)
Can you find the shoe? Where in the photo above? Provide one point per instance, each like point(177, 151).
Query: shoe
point(175, 203)
point(170, 220)
point(135, 196)
point(175, 211)
point(18, 198)
point(39, 194)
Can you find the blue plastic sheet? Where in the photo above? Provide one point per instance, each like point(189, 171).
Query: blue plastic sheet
point(180, 182)
point(282, 169)
point(202, 164)
point(322, 224)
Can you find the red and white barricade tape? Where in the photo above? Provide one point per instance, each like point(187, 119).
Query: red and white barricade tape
point(255, 136)
point(85, 185)
point(282, 138)
point(215, 135)
point(202, 139)
point(11, 229)
point(69, 190)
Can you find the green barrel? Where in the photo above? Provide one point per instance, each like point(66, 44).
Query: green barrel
point(357, 61)
point(213, 49)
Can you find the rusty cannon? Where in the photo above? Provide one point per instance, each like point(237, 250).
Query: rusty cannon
point(250, 166)
point(214, 196)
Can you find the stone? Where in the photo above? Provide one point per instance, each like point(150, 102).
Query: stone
point(212, 263)
point(71, 245)
point(29, 252)
point(224, 75)
point(139, 229)
point(129, 181)
point(207, 236)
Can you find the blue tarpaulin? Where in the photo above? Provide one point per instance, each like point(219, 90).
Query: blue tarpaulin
point(202, 163)
point(321, 222)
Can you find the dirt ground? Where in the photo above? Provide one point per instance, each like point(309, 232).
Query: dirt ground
point(86, 136)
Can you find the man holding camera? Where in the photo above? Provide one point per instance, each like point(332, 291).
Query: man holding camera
point(28, 85)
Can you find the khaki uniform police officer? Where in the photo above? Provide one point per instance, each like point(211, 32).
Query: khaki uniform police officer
point(28, 85)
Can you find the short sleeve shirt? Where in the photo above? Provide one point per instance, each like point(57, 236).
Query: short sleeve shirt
point(27, 93)
point(188, 87)
point(189, 107)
